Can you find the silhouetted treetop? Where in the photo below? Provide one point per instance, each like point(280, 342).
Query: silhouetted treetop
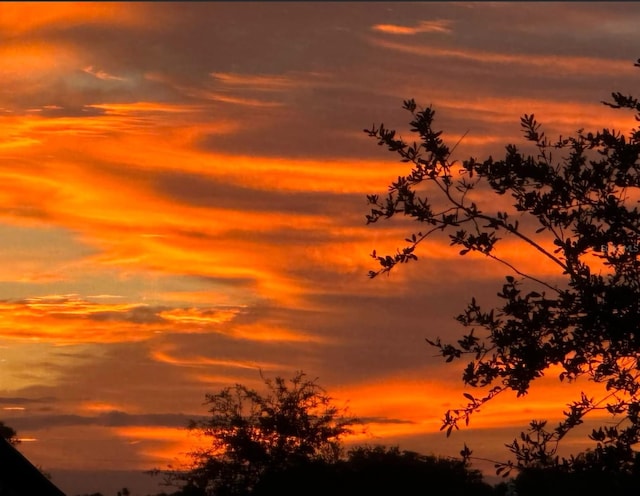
point(8, 433)
point(252, 433)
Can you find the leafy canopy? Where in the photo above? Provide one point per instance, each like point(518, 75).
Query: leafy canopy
point(254, 433)
point(578, 211)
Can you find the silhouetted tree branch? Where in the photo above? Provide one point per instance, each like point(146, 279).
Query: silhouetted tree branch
point(583, 208)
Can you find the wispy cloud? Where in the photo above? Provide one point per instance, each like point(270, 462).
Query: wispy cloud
point(20, 400)
point(435, 26)
point(67, 319)
point(237, 100)
point(207, 363)
point(549, 62)
point(100, 74)
point(271, 82)
point(113, 418)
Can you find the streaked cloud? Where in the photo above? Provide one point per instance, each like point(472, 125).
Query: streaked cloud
point(544, 62)
point(18, 400)
point(113, 418)
point(204, 362)
point(65, 319)
point(100, 74)
point(271, 82)
point(435, 26)
point(221, 97)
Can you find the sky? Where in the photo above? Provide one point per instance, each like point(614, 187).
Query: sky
point(183, 200)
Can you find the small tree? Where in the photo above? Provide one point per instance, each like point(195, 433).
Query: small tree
point(579, 214)
point(254, 433)
point(9, 434)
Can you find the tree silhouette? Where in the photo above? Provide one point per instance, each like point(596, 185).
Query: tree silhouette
point(578, 213)
point(253, 433)
point(593, 481)
point(9, 434)
point(376, 470)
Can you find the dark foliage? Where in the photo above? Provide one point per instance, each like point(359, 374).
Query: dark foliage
point(583, 209)
point(376, 471)
point(123, 492)
point(552, 481)
point(9, 434)
point(253, 433)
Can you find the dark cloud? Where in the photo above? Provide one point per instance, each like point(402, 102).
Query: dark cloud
point(319, 122)
point(384, 420)
point(69, 111)
point(202, 191)
point(137, 315)
point(17, 400)
point(107, 419)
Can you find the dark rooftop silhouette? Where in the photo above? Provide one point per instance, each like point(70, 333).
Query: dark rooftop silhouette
point(19, 477)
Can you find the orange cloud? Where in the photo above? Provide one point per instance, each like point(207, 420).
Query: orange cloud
point(20, 18)
point(198, 316)
point(24, 63)
point(100, 74)
point(437, 26)
point(205, 297)
point(564, 114)
point(204, 362)
point(69, 319)
point(101, 407)
point(133, 225)
point(270, 333)
point(98, 181)
point(162, 446)
point(414, 403)
point(160, 137)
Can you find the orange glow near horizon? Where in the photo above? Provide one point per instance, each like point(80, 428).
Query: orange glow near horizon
point(162, 445)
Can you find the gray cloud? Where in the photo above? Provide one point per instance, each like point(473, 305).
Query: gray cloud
point(137, 315)
point(18, 400)
point(384, 420)
point(206, 192)
point(107, 419)
point(71, 111)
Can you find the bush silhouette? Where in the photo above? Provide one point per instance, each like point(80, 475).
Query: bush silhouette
point(376, 471)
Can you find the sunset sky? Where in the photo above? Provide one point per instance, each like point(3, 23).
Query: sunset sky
point(183, 204)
